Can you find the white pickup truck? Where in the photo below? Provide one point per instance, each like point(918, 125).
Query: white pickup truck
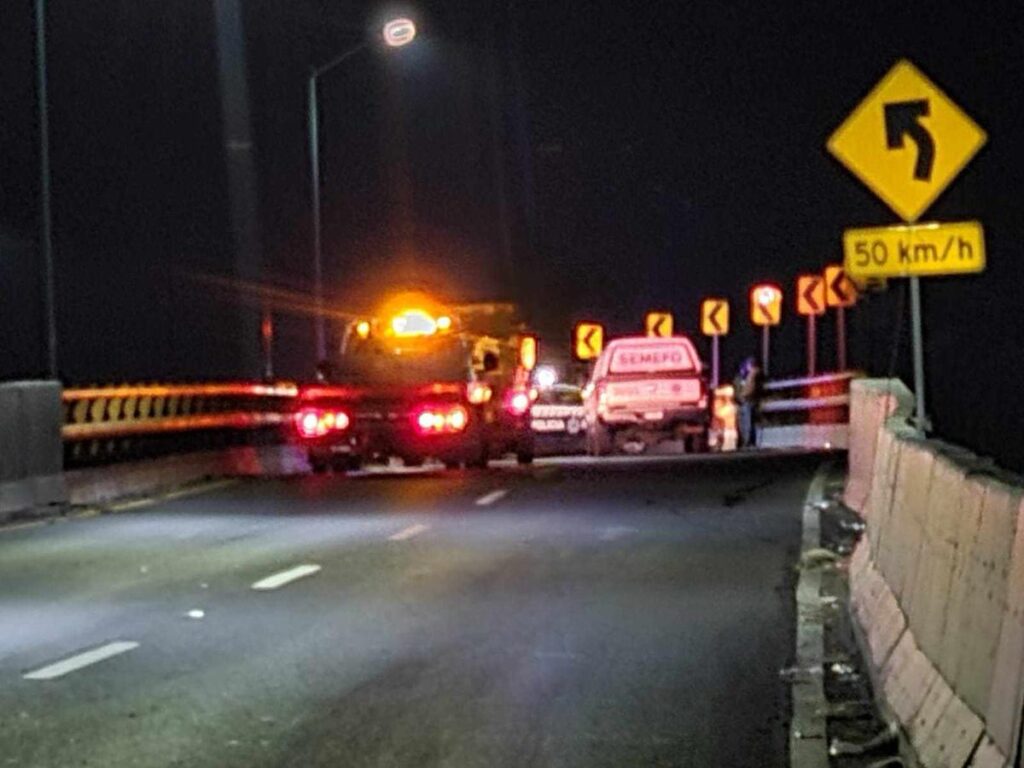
point(646, 390)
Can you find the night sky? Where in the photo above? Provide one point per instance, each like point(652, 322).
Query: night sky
point(590, 160)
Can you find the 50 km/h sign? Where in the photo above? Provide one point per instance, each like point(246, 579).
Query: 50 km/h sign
point(914, 250)
point(907, 140)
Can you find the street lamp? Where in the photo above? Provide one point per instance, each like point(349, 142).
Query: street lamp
point(396, 33)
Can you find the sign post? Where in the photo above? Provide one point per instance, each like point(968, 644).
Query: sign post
point(907, 141)
point(810, 302)
point(765, 311)
point(714, 322)
point(840, 293)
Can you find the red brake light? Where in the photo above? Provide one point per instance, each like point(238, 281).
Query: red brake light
point(519, 402)
point(314, 422)
point(441, 419)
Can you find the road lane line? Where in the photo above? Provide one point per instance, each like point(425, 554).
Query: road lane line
point(490, 498)
point(408, 533)
point(278, 580)
point(80, 660)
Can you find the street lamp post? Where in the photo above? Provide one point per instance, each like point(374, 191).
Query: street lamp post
point(396, 33)
point(45, 218)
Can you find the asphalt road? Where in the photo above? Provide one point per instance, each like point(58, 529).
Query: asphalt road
point(576, 613)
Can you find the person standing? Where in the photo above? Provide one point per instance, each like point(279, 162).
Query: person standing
point(747, 393)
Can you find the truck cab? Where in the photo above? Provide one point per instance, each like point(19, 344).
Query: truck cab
point(646, 390)
point(417, 383)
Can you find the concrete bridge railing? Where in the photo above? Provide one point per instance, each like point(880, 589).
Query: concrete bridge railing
point(938, 583)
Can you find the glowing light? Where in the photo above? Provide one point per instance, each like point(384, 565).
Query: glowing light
point(519, 403)
point(545, 376)
point(444, 323)
point(426, 420)
point(528, 352)
point(312, 422)
point(413, 322)
point(457, 418)
point(478, 393)
point(399, 32)
point(363, 329)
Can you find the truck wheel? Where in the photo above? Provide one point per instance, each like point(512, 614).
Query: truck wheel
point(452, 464)
point(319, 466)
point(413, 461)
point(524, 456)
point(697, 443)
point(599, 440)
point(347, 464)
point(479, 461)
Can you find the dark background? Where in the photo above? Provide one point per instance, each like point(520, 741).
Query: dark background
point(590, 160)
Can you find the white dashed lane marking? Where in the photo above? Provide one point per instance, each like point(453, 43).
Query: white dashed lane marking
point(81, 660)
point(408, 533)
point(490, 498)
point(285, 577)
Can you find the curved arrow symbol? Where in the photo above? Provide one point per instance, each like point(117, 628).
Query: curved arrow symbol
point(902, 118)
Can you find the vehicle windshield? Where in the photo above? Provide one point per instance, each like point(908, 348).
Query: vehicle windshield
point(415, 362)
point(560, 396)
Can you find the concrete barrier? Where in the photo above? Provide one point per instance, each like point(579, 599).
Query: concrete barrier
point(101, 485)
point(937, 586)
point(873, 401)
point(30, 447)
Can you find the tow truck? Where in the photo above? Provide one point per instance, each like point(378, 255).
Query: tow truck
point(419, 380)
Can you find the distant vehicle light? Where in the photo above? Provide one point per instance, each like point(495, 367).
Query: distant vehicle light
point(444, 323)
point(363, 329)
point(528, 352)
point(399, 32)
point(545, 376)
point(478, 393)
point(413, 322)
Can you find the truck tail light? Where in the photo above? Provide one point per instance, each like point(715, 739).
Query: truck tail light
point(478, 393)
point(441, 420)
point(317, 422)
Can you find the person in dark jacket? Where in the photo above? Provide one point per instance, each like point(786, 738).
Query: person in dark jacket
point(747, 394)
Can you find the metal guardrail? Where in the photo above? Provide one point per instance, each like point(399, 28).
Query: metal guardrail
point(105, 424)
point(821, 399)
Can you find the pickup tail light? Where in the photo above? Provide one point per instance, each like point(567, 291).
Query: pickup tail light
point(317, 422)
point(441, 420)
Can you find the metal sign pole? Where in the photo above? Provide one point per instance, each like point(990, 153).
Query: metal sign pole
point(764, 349)
point(714, 362)
point(915, 317)
point(812, 345)
point(841, 337)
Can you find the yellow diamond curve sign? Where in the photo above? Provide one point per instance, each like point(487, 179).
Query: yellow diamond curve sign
point(906, 141)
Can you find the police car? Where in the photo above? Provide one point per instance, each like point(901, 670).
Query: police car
point(558, 420)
